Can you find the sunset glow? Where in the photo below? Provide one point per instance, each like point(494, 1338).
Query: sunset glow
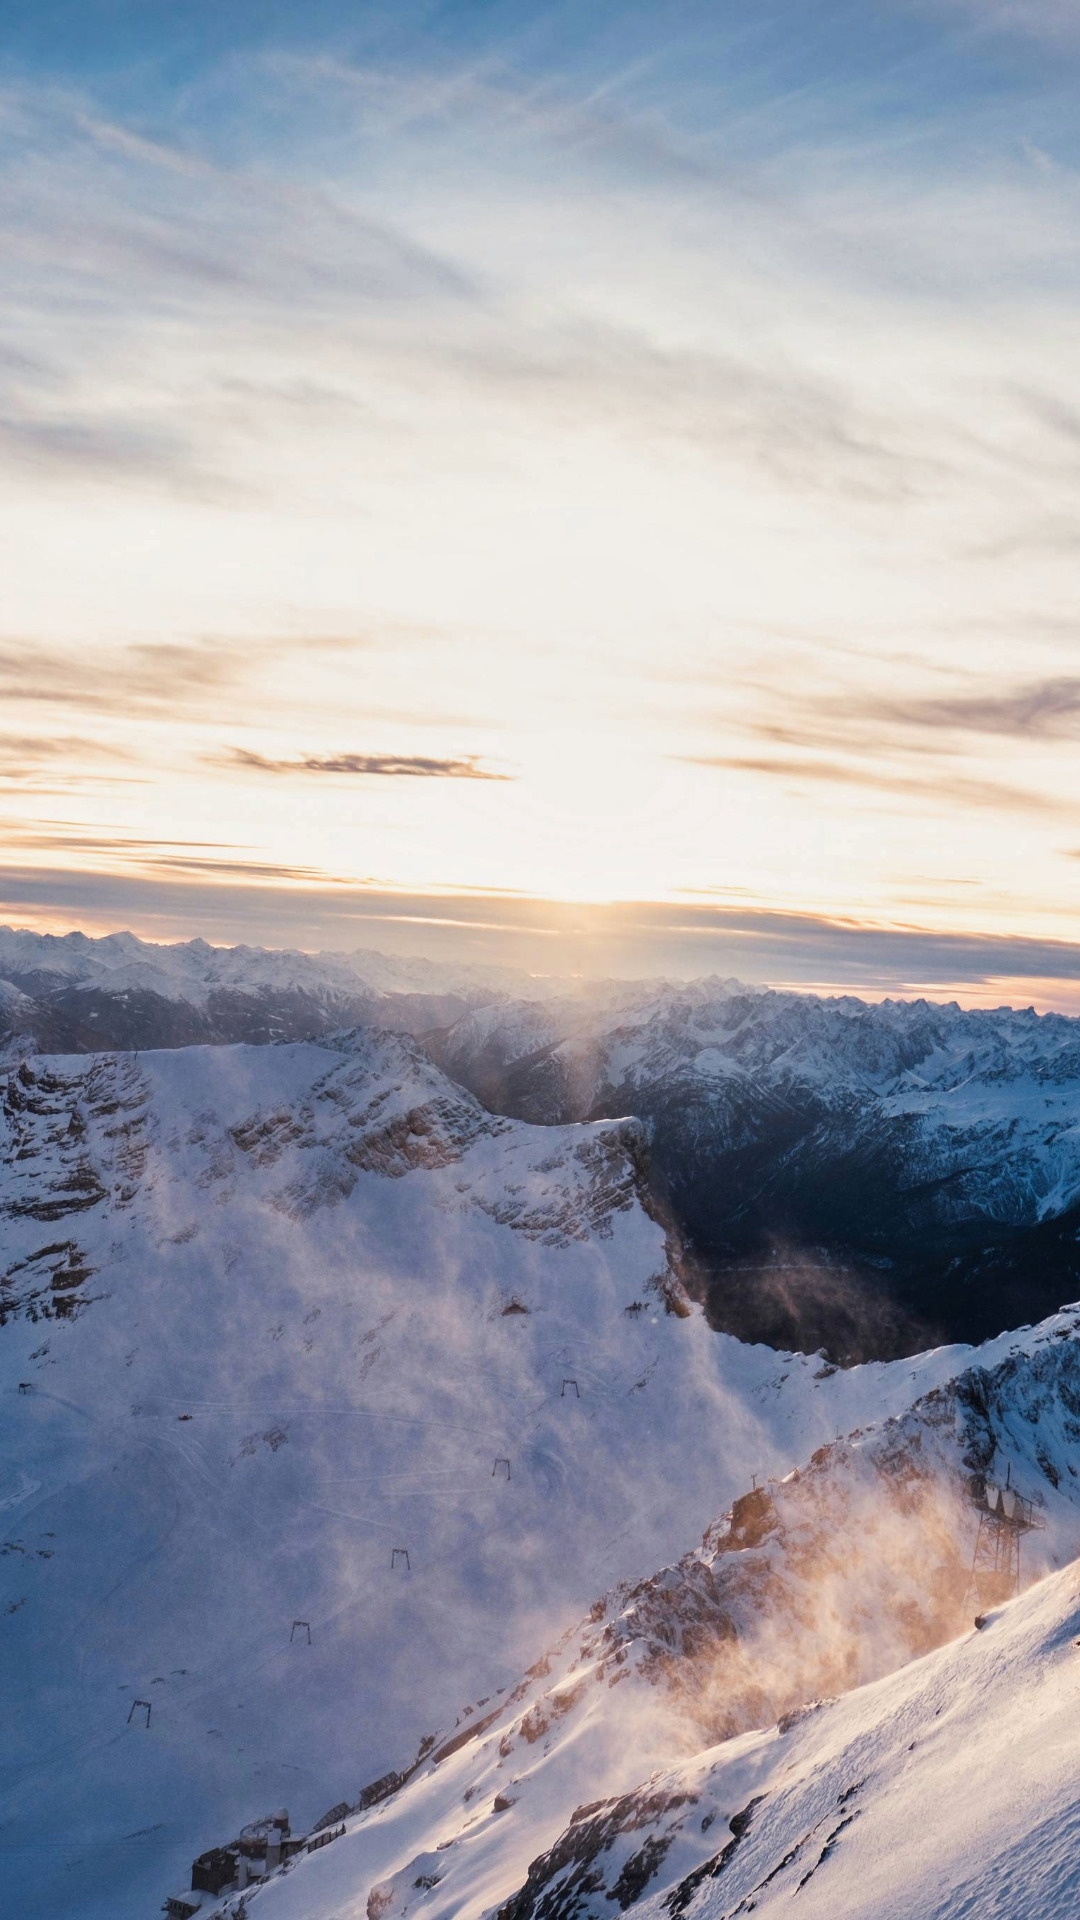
point(496, 460)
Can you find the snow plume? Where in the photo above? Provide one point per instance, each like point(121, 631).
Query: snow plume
point(802, 1297)
point(948, 1788)
point(860, 1567)
point(280, 1311)
point(810, 1587)
point(860, 1560)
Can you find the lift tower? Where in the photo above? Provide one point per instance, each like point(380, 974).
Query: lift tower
point(1004, 1517)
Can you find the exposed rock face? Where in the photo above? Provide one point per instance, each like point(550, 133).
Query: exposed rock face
point(565, 1878)
point(75, 1139)
point(79, 1134)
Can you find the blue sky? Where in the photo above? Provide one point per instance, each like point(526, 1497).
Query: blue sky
point(866, 66)
point(608, 455)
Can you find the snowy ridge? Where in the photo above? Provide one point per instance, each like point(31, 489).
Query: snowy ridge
point(266, 1314)
point(192, 970)
point(948, 1789)
point(75, 994)
point(970, 1066)
point(811, 1587)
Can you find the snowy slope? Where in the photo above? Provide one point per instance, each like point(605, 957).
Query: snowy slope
point(267, 1314)
point(948, 1790)
point(821, 1583)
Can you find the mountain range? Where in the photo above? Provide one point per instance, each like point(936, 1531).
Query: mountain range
point(372, 1445)
point(870, 1178)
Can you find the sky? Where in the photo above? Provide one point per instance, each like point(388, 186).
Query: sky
point(594, 488)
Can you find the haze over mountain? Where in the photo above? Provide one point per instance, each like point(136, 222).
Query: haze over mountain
point(871, 1177)
point(341, 1377)
point(810, 1588)
point(269, 1314)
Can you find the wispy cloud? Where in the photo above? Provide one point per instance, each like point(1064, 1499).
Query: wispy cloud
point(1054, 21)
point(897, 725)
point(121, 239)
point(22, 753)
point(633, 939)
point(1043, 709)
point(174, 225)
point(164, 677)
point(934, 790)
point(383, 766)
point(111, 854)
point(82, 446)
point(593, 350)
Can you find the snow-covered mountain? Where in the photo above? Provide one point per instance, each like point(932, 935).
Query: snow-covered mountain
point(269, 1315)
point(329, 1398)
point(192, 969)
point(948, 1789)
point(871, 1177)
point(868, 1175)
point(597, 1785)
point(73, 993)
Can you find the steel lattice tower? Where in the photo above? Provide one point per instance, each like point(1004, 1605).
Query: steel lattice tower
point(1004, 1517)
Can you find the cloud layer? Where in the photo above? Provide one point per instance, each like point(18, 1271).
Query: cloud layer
point(506, 462)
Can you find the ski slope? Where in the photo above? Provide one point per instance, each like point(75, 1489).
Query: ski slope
point(270, 1313)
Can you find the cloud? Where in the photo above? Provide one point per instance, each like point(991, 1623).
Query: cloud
point(228, 870)
point(161, 679)
point(64, 765)
point(635, 939)
point(308, 271)
point(937, 789)
point(86, 445)
point(391, 766)
point(69, 834)
point(141, 262)
point(210, 860)
point(904, 732)
point(22, 753)
point(172, 224)
point(1054, 21)
point(1040, 709)
point(789, 422)
point(139, 675)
